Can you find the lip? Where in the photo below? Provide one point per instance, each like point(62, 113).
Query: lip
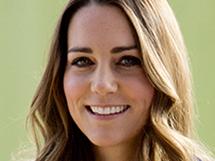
point(107, 117)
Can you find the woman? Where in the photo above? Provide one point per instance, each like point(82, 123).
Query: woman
point(116, 87)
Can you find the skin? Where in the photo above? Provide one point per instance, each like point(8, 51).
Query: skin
point(99, 72)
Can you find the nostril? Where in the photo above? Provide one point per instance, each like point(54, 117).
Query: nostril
point(104, 87)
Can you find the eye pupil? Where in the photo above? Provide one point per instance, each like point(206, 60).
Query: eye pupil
point(82, 62)
point(129, 61)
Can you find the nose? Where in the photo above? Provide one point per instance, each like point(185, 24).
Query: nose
point(104, 82)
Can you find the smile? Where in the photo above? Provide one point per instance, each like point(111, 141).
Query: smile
point(107, 110)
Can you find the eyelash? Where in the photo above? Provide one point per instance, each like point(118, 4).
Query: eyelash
point(129, 61)
point(125, 61)
point(80, 60)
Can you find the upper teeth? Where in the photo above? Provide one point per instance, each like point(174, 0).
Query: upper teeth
point(107, 110)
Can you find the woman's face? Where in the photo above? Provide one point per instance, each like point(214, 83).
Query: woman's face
point(106, 89)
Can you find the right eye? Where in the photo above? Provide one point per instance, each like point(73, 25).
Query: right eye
point(82, 62)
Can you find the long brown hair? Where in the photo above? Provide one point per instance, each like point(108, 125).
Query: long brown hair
point(167, 135)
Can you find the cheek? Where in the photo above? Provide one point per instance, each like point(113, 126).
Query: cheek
point(139, 89)
point(74, 88)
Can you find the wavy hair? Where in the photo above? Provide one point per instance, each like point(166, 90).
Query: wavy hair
point(168, 133)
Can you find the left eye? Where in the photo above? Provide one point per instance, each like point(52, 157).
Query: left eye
point(129, 61)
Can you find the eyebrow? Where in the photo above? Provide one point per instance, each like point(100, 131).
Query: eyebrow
point(120, 49)
point(115, 50)
point(80, 49)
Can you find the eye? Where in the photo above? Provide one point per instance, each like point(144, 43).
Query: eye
point(129, 61)
point(82, 62)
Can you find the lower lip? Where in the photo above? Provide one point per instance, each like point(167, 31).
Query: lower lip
point(107, 117)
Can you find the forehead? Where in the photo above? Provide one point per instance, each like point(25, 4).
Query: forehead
point(103, 22)
point(101, 13)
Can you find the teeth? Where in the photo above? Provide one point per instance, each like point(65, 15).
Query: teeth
point(107, 110)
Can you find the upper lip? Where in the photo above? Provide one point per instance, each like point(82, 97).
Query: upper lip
point(107, 105)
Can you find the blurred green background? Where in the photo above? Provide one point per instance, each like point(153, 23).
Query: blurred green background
point(26, 28)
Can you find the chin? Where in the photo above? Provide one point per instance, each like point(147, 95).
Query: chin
point(103, 142)
point(107, 141)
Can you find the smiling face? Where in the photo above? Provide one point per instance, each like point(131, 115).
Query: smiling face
point(106, 89)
